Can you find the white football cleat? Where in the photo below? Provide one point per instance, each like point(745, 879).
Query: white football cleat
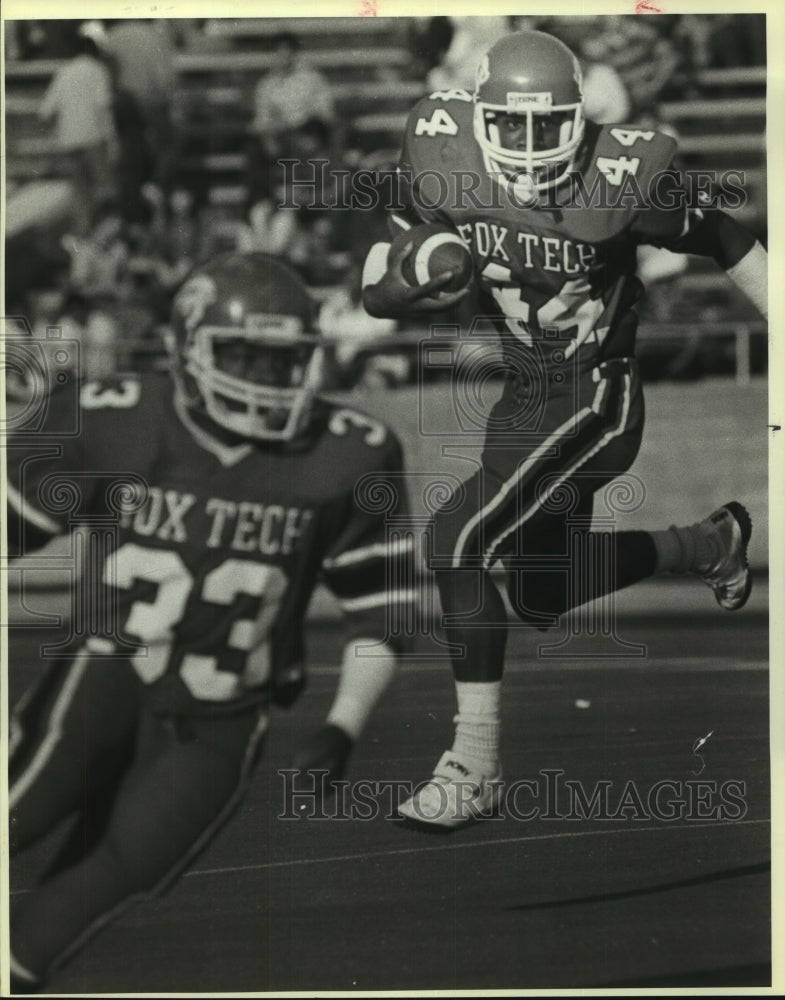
point(458, 793)
point(728, 530)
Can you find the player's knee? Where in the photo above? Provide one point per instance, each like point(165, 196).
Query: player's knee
point(443, 535)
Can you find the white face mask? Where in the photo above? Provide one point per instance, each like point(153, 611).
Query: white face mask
point(543, 147)
point(254, 409)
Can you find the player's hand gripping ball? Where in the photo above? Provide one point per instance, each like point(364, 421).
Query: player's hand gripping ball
point(435, 250)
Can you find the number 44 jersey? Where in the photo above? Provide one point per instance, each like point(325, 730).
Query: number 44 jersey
point(205, 555)
point(556, 264)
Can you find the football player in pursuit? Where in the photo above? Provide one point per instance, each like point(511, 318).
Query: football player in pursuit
point(234, 495)
point(504, 167)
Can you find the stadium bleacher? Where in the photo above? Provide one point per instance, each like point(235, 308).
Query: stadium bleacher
point(368, 62)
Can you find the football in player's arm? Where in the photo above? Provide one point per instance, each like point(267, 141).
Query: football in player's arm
point(552, 208)
point(218, 501)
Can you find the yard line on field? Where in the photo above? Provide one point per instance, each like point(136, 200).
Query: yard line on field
point(454, 845)
point(686, 663)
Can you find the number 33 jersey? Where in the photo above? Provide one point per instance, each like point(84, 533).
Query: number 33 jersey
point(204, 555)
point(554, 265)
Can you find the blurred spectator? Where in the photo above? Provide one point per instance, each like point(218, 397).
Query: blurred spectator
point(79, 103)
point(429, 39)
point(310, 140)
point(98, 332)
point(270, 229)
point(94, 330)
point(13, 40)
point(143, 57)
point(222, 227)
point(604, 91)
point(322, 263)
point(607, 100)
point(354, 334)
point(737, 40)
point(46, 309)
point(471, 38)
point(135, 160)
point(645, 59)
point(98, 284)
point(196, 35)
point(50, 39)
point(183, 236)
point(165, 249)
point(113, 301)
point(291, 94)
point(99, 261)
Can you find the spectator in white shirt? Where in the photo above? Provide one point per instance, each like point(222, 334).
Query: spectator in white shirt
point(143, 57)
point(291, 94)
point(78, 103)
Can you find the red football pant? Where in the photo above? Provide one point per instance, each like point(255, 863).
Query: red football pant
point(527, 504)
point(151, 790)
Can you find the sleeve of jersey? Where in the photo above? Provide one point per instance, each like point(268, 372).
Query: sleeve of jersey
point(666, 217)
point(409, 210)
point(46, 472)
point(714, 233)
point(371, 566)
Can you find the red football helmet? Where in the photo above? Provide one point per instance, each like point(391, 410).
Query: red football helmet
point(528, 117)
point(243, 346)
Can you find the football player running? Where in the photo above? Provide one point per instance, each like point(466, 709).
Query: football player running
point(235, 494)
point(504, 167)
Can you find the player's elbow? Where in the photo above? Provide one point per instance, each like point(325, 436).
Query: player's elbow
point(375, 303)
point(720, 236)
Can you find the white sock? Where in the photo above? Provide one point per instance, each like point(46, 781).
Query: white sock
point(364, 679)
point(478, 724)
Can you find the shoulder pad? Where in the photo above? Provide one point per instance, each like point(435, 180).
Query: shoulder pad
point(622, 162)
point(654, 150)
point(439, 122)
point(438, 141)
